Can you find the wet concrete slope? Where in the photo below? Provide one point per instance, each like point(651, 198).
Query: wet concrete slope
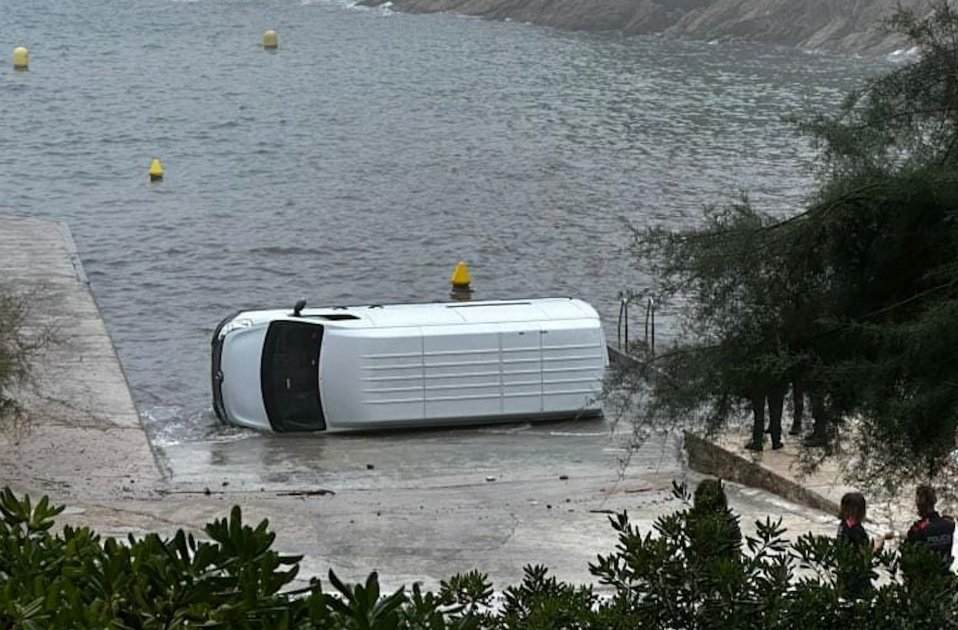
point(423, 504)
point(82, 428)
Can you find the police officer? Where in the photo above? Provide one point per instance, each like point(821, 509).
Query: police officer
point(934, 531)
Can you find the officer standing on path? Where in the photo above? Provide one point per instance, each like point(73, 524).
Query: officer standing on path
point(932, 530)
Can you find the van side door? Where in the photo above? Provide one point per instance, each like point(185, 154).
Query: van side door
point(461, 371)
point(521, 368)
point(573, 366)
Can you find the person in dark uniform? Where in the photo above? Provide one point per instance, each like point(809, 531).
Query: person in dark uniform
point(935, 532)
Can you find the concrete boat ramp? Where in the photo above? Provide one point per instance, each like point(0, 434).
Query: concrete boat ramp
point(416, 506)
point(85, 430)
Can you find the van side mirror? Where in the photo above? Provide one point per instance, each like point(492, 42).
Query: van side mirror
point(298, 308)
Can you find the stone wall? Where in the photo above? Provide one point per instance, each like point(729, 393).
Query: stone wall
point(711, 459)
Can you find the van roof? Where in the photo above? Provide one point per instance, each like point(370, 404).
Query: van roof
point(446, 313)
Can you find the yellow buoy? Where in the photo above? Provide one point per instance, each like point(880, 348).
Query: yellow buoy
point(21, 58)
point(460, 277)
point(270, 39)
point(156, 170)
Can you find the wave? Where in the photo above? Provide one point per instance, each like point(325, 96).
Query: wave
point(506, 429)
point(383, 9)
point(904, 55)
point(170, 425)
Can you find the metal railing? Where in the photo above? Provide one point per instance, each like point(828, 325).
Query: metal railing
point(622, 328)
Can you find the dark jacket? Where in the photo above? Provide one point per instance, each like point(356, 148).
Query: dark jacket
point(854, 572)
point(935, 532)
point(854, 534)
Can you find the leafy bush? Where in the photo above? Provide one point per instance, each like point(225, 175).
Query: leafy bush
point(685, 574)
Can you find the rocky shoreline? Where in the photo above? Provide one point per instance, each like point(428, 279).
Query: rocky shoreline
point(838, 25)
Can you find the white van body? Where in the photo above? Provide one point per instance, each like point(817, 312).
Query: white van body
point(406, 365)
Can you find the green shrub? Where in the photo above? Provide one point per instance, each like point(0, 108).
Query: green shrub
point(684, 574)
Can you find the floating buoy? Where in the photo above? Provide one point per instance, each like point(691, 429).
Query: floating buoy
point(270, 39)
point(156, 170)
point(21, 58)
point(460, 275)
point(460, 280)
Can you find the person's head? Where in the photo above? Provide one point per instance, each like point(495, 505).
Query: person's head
point(925, 500)
point(710, 496)
point(853, 507)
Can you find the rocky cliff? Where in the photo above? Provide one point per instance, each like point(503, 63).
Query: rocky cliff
point(844, 25)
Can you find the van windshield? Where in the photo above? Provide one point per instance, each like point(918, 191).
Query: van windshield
point(290, 376)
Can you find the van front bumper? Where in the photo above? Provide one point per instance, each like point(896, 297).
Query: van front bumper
point(216, 372)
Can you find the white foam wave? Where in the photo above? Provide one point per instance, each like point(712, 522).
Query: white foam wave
point(904, 55)
point(382, 9)
point(507, 429)
point(169, 425)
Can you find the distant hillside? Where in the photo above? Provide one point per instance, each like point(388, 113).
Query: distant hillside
point(845, 25)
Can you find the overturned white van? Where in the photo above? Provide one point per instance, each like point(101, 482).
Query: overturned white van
point(406, 365)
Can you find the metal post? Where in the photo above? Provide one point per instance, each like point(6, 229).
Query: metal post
point(625, 304)
point(652, 311)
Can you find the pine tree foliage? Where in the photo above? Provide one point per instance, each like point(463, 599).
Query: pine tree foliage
point(854, 296)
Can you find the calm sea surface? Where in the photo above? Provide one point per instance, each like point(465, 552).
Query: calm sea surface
point(364, 158)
